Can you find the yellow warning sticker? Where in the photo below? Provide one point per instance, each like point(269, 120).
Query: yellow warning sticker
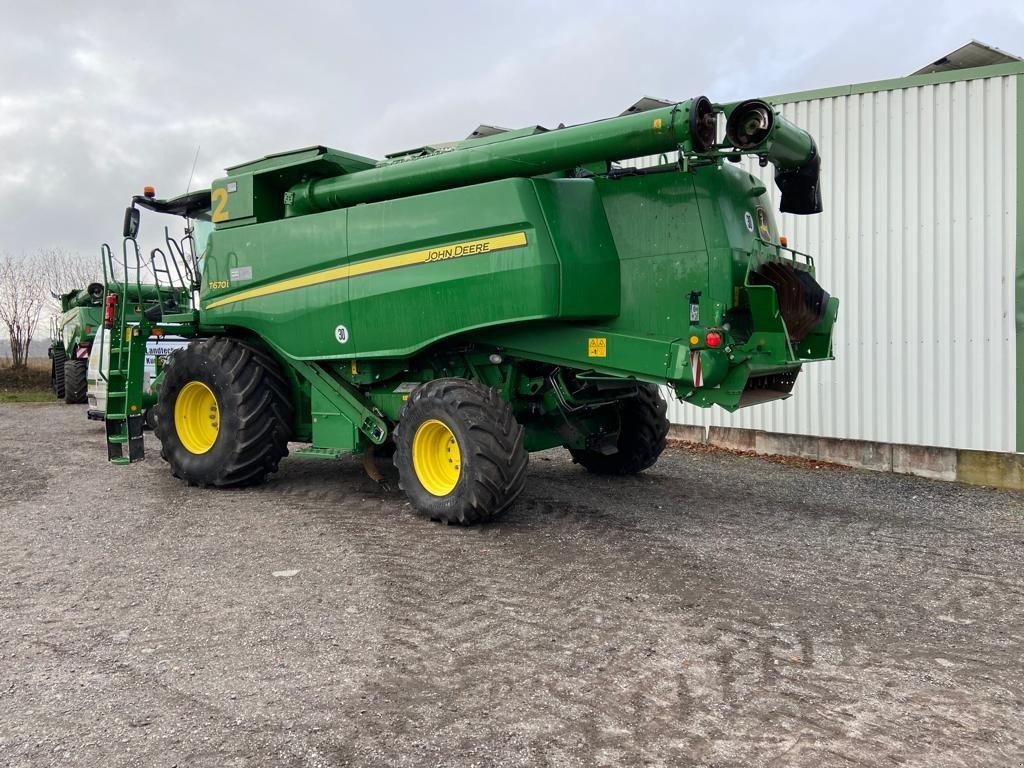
point(597, 347)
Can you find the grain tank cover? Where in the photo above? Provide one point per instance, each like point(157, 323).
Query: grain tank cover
point(316, 160)
point(254, 191)
point(483, 130)
point(646, 104)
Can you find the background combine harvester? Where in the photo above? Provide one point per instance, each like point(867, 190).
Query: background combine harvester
point(71, 336)
point(465, 304)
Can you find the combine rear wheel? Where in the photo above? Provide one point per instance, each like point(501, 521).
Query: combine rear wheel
point(58, 357)
point(643, 427)
point(76, 387)
point(224, 415)
point(459, 452)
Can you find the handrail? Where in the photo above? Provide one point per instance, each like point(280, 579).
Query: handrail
point(175, 273)
point(105, 256)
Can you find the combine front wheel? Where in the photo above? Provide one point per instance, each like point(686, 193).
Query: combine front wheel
point(459, 452)
point(76, 386)
point(224, 414)
point(642, 431)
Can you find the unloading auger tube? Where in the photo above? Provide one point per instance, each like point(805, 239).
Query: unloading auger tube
point(461, 305)
point(688, 126)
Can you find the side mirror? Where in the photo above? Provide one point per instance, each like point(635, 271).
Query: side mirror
point(131, 221)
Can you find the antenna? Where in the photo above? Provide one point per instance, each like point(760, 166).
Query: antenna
point(191, 176)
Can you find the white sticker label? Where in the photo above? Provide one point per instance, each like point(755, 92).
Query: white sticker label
point(237, 274)
point(406, 386)
point(749, 221)
point(341, 334)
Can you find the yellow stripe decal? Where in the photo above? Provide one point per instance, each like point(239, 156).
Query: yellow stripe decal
point(426, 256)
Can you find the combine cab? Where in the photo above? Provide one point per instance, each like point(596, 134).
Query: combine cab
point(465, 304)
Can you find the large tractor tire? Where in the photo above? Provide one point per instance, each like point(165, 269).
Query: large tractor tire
point(459, 452)
point(643, 428)
point(225, 415)
point(76, 387)
point(57, 359)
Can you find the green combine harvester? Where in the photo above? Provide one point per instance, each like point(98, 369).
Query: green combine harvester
point(465, 304)
point(72, 333)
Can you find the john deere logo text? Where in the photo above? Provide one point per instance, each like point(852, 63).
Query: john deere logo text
point(463, 249)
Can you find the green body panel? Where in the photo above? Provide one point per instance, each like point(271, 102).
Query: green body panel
point(675, 234)
point(76, 327)
point(331, 427)
point(525, 261)
point(566, 269)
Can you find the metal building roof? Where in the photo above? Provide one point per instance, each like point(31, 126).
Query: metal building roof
point(973, 54)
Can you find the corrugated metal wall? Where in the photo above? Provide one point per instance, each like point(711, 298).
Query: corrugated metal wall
point(918, 241)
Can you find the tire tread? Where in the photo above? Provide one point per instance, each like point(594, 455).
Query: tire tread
point(499, 457)
point(76, 385)
point(642, 437)
point(263, 408)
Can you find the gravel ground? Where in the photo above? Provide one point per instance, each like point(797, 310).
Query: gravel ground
point(715, 611)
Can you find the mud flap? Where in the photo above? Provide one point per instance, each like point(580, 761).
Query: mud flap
point(136, 444)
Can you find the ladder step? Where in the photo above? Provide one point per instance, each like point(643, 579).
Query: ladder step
point(320, 453)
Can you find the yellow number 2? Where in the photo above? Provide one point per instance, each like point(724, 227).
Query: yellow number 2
point(219, 198)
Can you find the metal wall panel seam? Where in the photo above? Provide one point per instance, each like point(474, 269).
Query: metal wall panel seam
point(1019, 265)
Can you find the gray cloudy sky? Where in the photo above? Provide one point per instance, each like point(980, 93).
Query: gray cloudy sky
point(99, 98)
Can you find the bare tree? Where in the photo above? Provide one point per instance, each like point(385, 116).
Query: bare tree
point(22, 297)
point(65, 271)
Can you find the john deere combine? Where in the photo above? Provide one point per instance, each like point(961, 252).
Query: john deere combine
point(71, 336)
point(465, 304)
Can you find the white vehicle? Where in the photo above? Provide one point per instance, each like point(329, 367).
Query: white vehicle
point(156, 351)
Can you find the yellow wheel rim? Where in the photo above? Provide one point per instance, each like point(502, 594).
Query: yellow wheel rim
point(436, 457)
point(196, 417)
